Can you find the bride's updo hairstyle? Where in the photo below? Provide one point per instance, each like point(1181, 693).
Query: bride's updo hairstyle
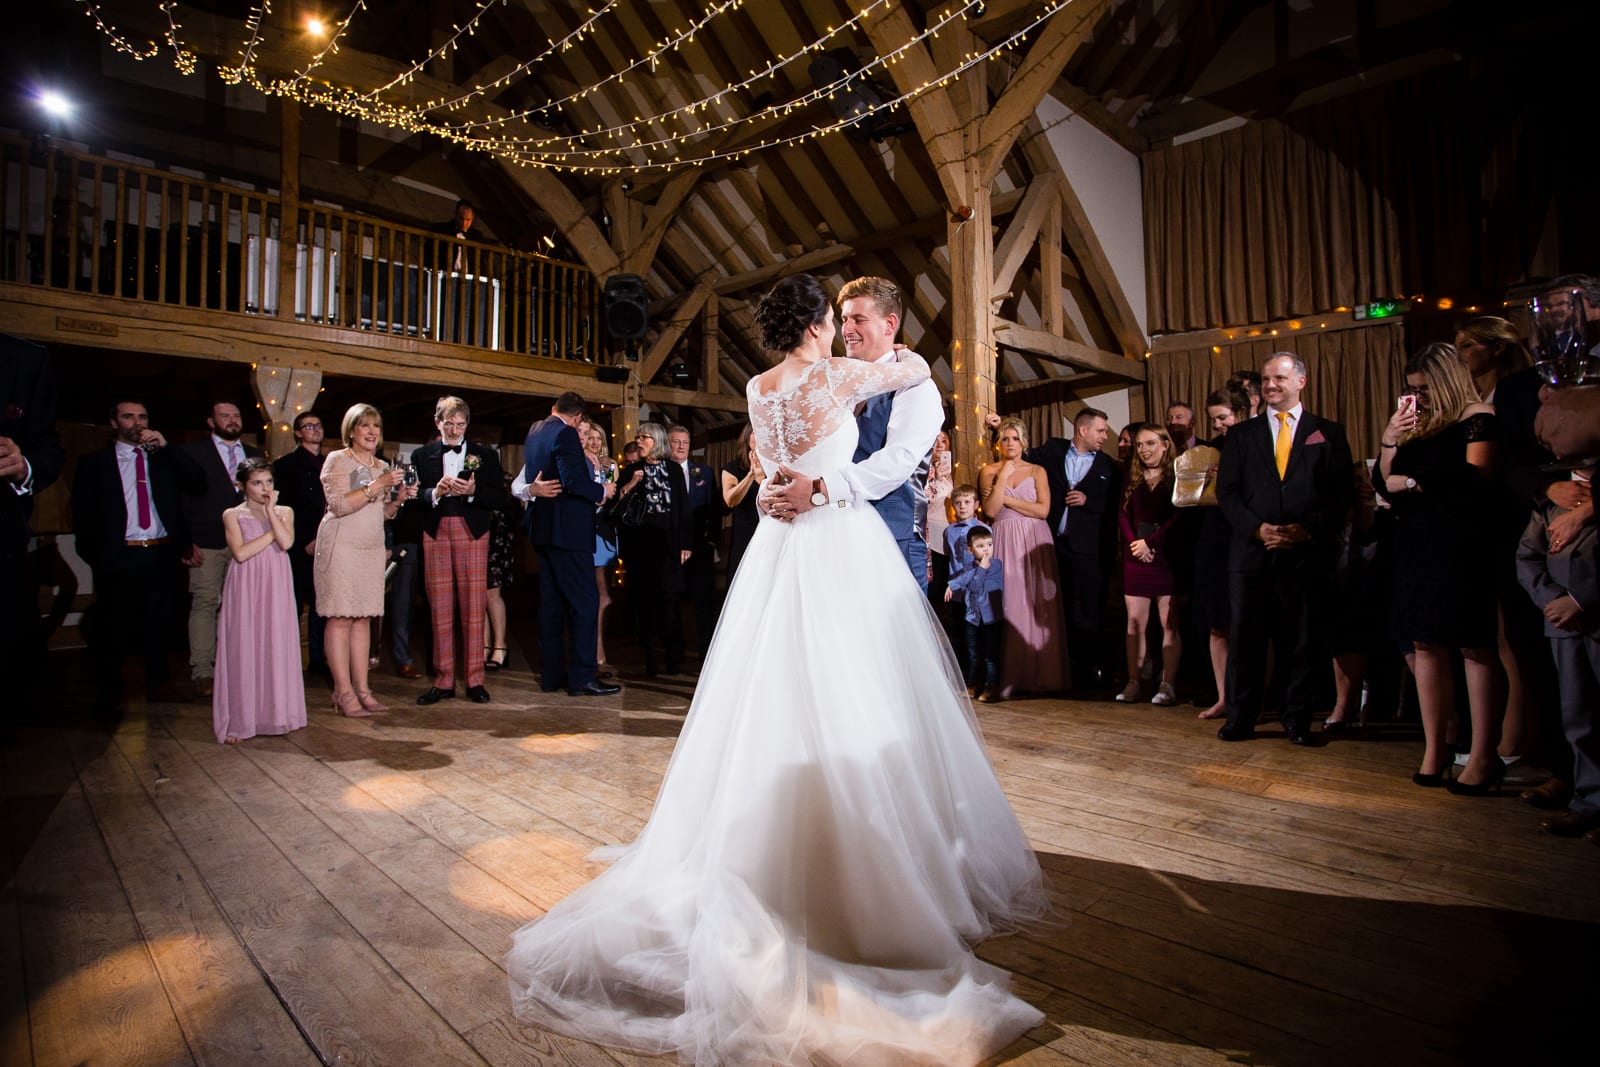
point(794, 305)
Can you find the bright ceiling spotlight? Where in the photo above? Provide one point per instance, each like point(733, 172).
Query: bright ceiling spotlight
point(315, 27)
point(55, 104)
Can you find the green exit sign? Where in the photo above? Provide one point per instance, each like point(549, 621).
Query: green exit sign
point(1380, 309)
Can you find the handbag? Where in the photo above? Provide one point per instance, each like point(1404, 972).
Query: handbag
point(1194, 482)
point(626, 510)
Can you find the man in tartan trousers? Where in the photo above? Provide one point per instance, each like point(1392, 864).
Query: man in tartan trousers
point(461, 487)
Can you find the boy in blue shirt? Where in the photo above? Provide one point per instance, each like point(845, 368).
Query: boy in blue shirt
point(982, 584)
point(965, 501)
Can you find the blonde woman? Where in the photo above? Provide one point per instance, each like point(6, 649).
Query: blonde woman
point(1435, 464)
point(361, 492)
point(1015, 497)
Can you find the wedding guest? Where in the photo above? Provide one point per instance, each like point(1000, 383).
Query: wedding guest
point(1015, 496)
point(982, 587)
point(460, 492)
point(957, 553)
point(1125, 445)
point(129, 527)
point(1145, 520)
point(1356, 605)
point(503, 527)
point(741, 482)
point(705, 525)
point(258, 685)
point(297, 477)
point(1180, 427)
point(1284, 484)
point(1250, 382)
point(360, 491)
point(1084, 489)
point(400, 602)
point(1435, 464)
point(656, 549)
point(1563, 578)
point(562, 529)
point(31, 458)
point(604, 469)
point(631, 453)
point(939, 488)
point(218, 454)
point(1225, 408)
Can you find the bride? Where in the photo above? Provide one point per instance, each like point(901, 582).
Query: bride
point(830, 836)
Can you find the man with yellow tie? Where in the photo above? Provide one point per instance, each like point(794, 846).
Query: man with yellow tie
point(1284, 484)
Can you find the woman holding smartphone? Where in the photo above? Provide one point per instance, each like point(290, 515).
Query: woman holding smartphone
point(1435, 467)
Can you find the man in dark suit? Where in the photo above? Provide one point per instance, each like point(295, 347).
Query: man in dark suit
point(461, 488)
point(31, 459)
point(561, 527)
point(218, 454)
point(1284, 484)
point(705, 524)
point(1085, 488)
point(298, 479)
point(130, 529)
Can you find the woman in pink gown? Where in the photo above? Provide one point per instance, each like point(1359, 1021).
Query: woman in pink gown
point(1016, 498)
point(259, 689)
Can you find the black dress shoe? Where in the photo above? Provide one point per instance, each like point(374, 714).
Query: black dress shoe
point(478, 694)
point(595, 689)
point(1298, 735)
point(1236, 733)
point(435, 694)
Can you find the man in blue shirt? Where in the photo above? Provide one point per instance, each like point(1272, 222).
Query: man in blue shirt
point(982, 585)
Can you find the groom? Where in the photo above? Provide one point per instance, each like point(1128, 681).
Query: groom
point(897, 430)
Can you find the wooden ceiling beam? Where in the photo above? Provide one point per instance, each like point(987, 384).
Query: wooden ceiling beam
point(672, 333)
point(1061, 350)
point(1061, 36)
point(1019, 238)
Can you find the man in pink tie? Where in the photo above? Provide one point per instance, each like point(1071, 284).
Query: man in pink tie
point(129, 526)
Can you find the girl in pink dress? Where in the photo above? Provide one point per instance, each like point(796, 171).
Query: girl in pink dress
point(1015, 497)
point(258, 685)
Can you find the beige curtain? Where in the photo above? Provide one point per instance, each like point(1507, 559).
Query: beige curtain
point(1354, 376)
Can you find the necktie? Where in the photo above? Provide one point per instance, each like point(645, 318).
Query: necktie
point(141, 489)
point(1285, 439)
point(233, 461)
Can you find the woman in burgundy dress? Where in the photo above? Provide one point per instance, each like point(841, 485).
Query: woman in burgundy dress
point(1145, 519)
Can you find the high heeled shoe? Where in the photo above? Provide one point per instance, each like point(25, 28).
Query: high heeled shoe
point(370, 702)
point(1429, 781)
point(495, 659)
point(1492, 784)
point(348, 705)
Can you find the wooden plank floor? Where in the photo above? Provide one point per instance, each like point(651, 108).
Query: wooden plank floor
point(345, 894)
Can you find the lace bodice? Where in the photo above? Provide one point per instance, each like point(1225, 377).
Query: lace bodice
point(812, 422)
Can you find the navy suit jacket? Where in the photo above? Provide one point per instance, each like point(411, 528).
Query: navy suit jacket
point(28, 417)
point(1315, 491)
point(100, 514)
point(566, 521)
point(1089, 529)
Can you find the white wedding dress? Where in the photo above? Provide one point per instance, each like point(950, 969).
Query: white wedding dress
point(830, 835)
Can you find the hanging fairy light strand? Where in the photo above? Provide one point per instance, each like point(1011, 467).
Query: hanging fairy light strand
point(534, 150)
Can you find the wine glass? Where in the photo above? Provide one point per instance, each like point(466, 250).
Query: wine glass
point(1561, 329)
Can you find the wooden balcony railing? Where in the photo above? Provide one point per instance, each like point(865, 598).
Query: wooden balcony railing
point(99, 225)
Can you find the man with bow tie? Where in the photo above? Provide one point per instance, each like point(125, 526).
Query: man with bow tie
point(219, 454)
point(1284, 483)
point(461, 487)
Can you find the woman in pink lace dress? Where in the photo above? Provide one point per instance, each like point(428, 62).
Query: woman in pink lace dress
point(259, 689)
point(1015, 498)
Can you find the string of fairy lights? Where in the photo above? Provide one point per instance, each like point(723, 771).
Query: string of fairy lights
point(673, 138)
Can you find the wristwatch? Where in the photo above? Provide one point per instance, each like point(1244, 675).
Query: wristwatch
point(819, 496)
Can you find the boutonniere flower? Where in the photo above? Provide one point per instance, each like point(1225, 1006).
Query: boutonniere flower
point(471, 463)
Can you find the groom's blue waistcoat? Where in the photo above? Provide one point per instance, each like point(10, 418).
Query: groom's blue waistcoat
point(905, 510)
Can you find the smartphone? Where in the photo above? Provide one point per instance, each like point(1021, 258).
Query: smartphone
point(1406, 403)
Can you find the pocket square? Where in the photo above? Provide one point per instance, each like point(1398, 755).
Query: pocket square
point(1316, 439)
